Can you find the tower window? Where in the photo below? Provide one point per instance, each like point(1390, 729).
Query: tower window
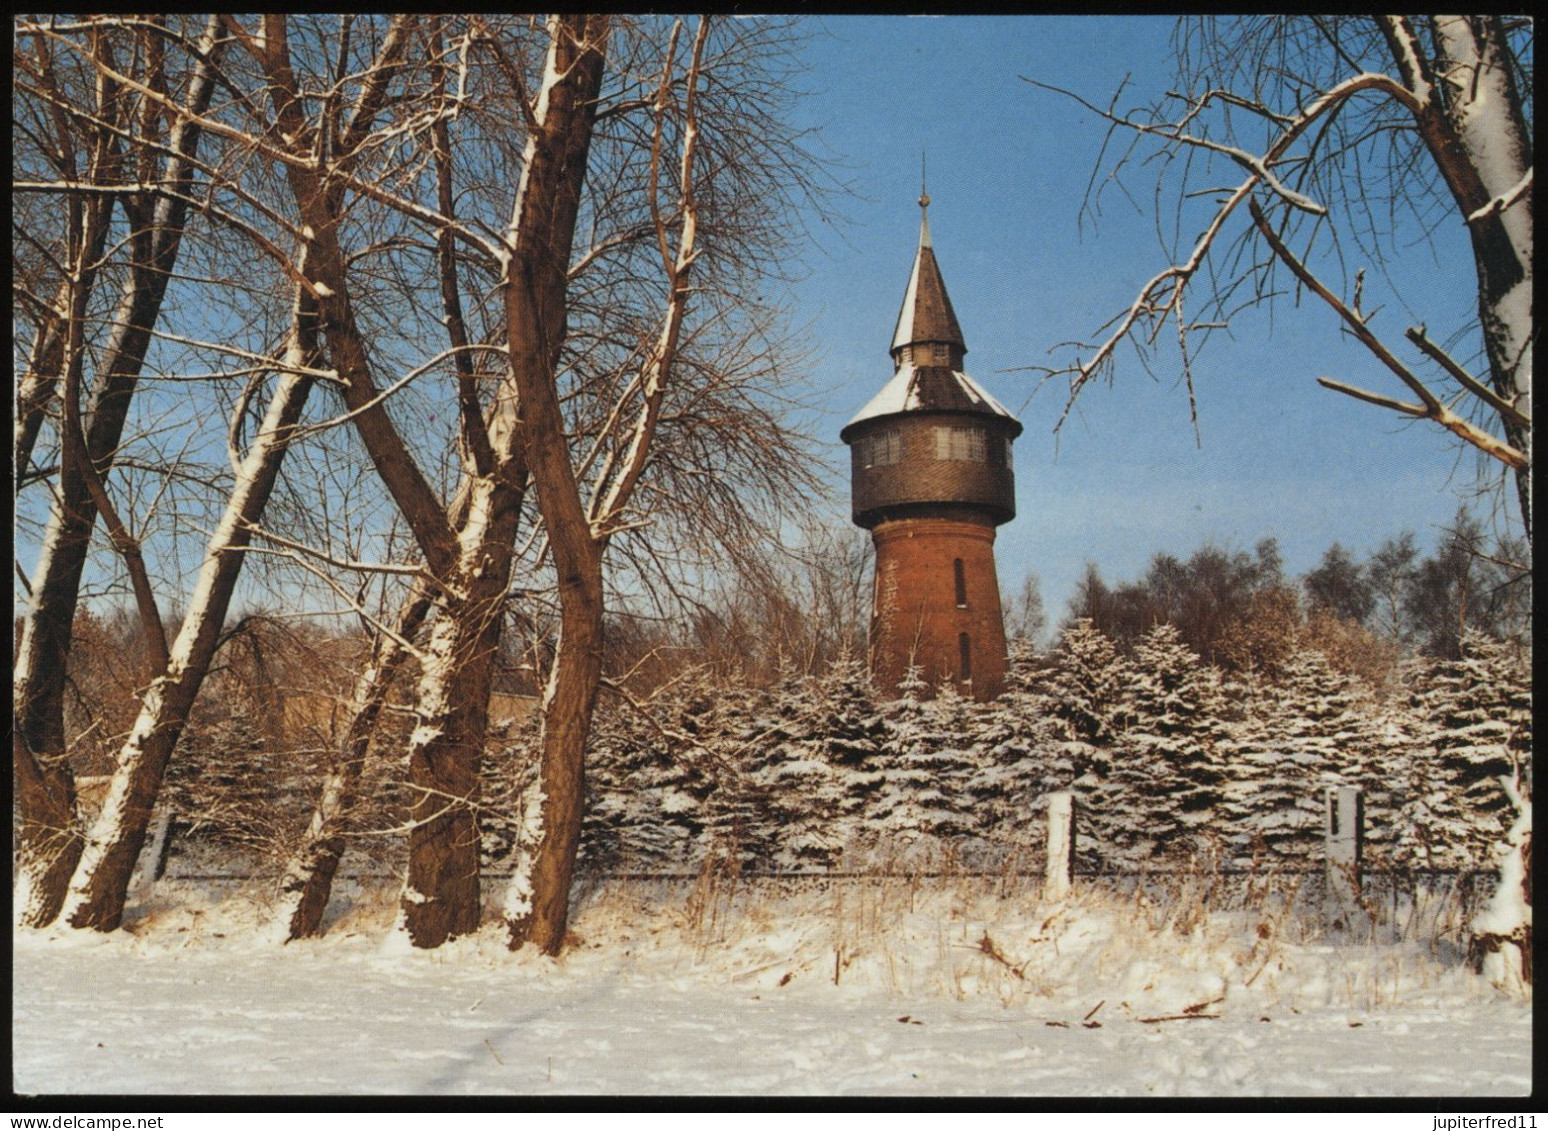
point(942, 353)
point(881, 448)
point(1005, 447)
point(961, 583)
point(965, 655)
point(962, 444)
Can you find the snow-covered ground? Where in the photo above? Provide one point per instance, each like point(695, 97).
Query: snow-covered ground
point(860, 988)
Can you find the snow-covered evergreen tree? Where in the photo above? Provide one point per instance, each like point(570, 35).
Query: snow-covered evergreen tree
point(632, 784)
point(1247, 764)
point(923, 771)
point(1018, 755)
point(1083, 681)
point(1311, 728)
point(236, 783)
point(742, 719)
point(1477, 711)
point(798, 792)
point(1167, 768)
point(849, 738)
point(1400, 780)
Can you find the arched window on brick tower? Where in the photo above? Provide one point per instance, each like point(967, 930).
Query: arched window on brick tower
point(931, 479)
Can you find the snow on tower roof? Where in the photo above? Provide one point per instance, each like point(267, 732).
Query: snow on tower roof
point(927, 315)
point(931, 388)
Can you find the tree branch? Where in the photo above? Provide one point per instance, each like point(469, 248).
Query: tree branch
point(1507, 198)
point(1431, 407)
point(1500, 405)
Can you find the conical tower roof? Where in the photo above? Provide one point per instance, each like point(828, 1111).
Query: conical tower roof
point(927, 315)
point(921, 382)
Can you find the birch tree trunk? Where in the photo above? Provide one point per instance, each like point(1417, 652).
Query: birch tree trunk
point(101, 882)
point(1469, 113)
point(537, 903)
point(49, 843)
point(87, 223)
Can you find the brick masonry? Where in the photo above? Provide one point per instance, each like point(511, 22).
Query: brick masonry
point(916, 616)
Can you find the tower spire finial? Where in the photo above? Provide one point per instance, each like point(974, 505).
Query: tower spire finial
point(924, 204)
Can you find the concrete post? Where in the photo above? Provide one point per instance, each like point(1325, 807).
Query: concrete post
point(1061, 845)
point(1344, 838)
point(148, 868)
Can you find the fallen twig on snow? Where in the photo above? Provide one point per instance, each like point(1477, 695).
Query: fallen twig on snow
point(1180, 1017)
point(987, 946)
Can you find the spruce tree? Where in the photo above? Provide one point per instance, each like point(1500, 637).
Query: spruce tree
point(1018, 755)
point(1083, 682)
point(1478, 711)
point(797, 792)
point(1419, 797)
point(849, 740)
point(1310, 729)
point(1167, 760)
point(922, 772)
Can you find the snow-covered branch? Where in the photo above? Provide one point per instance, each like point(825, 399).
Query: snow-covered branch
point(1160, 300)
point(1431, 406)
point(1507, 198)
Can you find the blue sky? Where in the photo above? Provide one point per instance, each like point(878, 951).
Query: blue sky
point(1008, 167)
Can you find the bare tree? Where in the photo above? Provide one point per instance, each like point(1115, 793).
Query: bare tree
point(229, 192)
point(602, 335)
point(101, 881)
point(716, 157)
point(148, 166)
point(1025, 617)
point(566, 326)
point(309, 873)
point(1351, 133)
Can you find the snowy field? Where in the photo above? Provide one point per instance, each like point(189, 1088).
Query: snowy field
point(845, 988)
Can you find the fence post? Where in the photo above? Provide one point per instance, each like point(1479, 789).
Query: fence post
point(148, 869)
point(1344, 837)
point(1061, 845)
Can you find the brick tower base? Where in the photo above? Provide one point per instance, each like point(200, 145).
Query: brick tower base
point(937, 604)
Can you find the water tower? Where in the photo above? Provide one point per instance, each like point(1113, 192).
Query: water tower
point(930, 459)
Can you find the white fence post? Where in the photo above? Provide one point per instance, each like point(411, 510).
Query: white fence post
point(150, 855)
point(1344, 838)
point(1061, 845)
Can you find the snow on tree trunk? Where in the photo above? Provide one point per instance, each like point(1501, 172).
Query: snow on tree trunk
point(1485, 110)
point(49, 842)
point(441, 895)
point(1469, 112)
point(145, 875)
point(529, 834)
point(308, 878)
point(541, 918)
point(540, 238)
point(100, 885)
point(1501, 943)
